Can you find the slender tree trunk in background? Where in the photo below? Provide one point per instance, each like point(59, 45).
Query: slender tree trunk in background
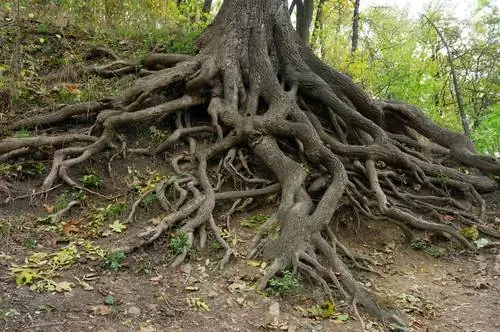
point(318, 39)
point(207, 6)
point(17, 51)
point(304, 18)
point(456, 86)
point(355, 27)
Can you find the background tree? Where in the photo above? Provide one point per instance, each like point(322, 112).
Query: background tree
point(355, 27)
point(304, 14)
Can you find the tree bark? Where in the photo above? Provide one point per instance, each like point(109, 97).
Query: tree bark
point(456, 85)
point(355, 27)
point(305, 10)
point(318, 42)
point(207, 6)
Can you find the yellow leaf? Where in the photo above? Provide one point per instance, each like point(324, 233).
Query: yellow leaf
point(25, 277)
point(102, 310)
point(117, 226)
point(253, 263)
point(48, 208)
point(63, 286)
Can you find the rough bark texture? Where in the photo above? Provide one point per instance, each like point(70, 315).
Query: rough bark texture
point(279, 119)
point(305, 10)
point(355, 27)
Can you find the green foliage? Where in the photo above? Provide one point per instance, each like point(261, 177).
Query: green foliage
point(61, 202)
point(19, 170)
point(114, 261)
point(487, 134)
point(42, 28)
point(178, 242)
point(91, 180)
point(109, 300)
point(284, 285)
point(428, 248)
point(401, 57)
point(149, 199)
point(30, 243)
point(470, 233)
point(158, 134)
point(102, 214)
point(215, 245)
point(255, 221)
point(23, 133)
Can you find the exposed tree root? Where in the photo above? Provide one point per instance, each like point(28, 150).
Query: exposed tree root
point(259, 104)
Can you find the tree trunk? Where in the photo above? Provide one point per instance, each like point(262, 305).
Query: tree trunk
point(318, 42)
point(259, 104)
point(456, 85)
point(305, 10)
point(207, 6)
point(355, 28)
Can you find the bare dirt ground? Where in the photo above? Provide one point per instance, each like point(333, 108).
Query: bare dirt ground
point(439, 290)
point(452, 292)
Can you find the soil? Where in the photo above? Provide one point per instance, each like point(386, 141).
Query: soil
point(456, 291)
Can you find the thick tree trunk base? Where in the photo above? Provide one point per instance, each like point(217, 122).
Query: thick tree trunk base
point(323, 141)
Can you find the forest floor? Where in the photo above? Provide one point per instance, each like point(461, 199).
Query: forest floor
point(55, 277)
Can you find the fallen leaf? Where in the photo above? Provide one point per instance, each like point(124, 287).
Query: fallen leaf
point(198, 303)
point(72, 226)
point(84, 285)
point(117, 226)
point(48, 208)
point(25, 276)
point(449, 218)
point(253, 263)
point(63, 286)
point(322, 311)
point(156, 280)
point(100, 309)
point(341, 318)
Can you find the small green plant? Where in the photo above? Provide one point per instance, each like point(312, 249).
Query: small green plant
point(178, 242)
point(158, 134)
point(30, 243)
point(5, 228)
point(23, 133)
point(78, 195)
point(144, 267)
point(285, 285)
point(110, 300)
point(61, 202)
point(102, 214)
point(114, 261)
point(216, 245)
point(149, 199)
point(41, 28)
point(429, 249)
point(91, 180)
point(39, 168)
point(7, 170)
point(255, 221)
point(445, 179)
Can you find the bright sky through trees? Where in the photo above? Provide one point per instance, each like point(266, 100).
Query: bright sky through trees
point(460, 8)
